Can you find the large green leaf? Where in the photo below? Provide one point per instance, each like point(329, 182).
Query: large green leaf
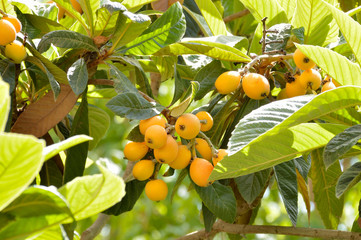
point(43, 207)
point(89, 8)
point(66, 39)
point(289, 7)
point(348, 179)
point(187, 99)
point(167, 29)
point(7, 73)
point(4, 104)
point(135, 4)
point(20, 161)
point(350, 29)
point(208, 218)
point(212, 17)
point(7, 7)
point(105, 22)
point(323, 186)
point(219, 199)
point(349, 116)
point(43, 24)
point(89, 195)
point(268, 121)
point(313, 15)
point(219, 47)
point(337, 66)
point(78, 76)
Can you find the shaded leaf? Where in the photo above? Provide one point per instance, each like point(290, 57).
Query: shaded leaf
point(78, 76)
point(4, 104)
point(180, 86)
point(43, 24)
point(135, 135)
point(348, 179)
point(303, 189)
point(283, 34)
point(187, 100)
point(303, 166)
point(208, 218)
point(7, 71)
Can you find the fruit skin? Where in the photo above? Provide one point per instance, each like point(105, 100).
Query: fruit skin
point(143, 170)
point(219, 156)
point(156, 120)
point(134, 151)
point(328, 86)
point(14, 21)
point(295, 88)
point(76, 6)
point(311, 79)
point(15, 51)
point(156, 190)
point(155, 136)
point(200, 170)
point(203, 148)
point(205, 116)
point(168, 152)
point(8, 32)
point(187, 126)
point(302, 61)
point(228, 82)
point(256, 86)
point(282, 94)
point(183, 158)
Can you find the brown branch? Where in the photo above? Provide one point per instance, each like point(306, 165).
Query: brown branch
point(236, 15)
point(221, 226)
point(267, 58)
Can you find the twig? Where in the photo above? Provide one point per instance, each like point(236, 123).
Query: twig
point(269, 58)
point(236, 15)
point(221, 226)
point(264, 34)
point(101, 82)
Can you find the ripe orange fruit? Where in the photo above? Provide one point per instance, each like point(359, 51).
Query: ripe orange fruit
point(188, 126)
point(206, 120)
point(168, 152)
point(134, 151)
point(143, 170)
point(183, 158)
point(302, 61)
point(200, 170)
point(156, 190)
point(256, 86)
point(15, 51)
point(328, 86)
point(8, 32)
point(155, 136)
point(295, 88)
point(311, 79)
point(14, 21)
point(219, 156)
point(228, 82)
point(76, 6)
point(156, 120)
point(282, 94)
point(203, 148)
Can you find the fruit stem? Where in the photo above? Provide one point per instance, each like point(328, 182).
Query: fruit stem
point(156, 170)
point(3, 13)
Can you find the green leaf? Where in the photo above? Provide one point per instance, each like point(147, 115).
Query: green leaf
point(50, 174)
point(43, 24)
point(105, 22)
point(135, 135)
point(212, 17)
point(219, 199)
point(188, 98)
point(20, 161)
point(66, 39)
point(268, 121)
point(340, 144)
point(89, 8)
point(43, 206)
point(349, 116)
point(303, 189)
point(337, 66)
point(215, 47)
point(4, 104)
point(167, 29)
point(52, 150)
point(289, 7)
point(135, 4)
point(78, 76)
point(351, 30)
point(265, 8)
point(208, 218)
point(133, 191)
point(303, 166)
point(348, 179)
point(165, 65)
point(286, 177)
point(133, 106)
point(7, 7)
point(99, 122)
point(251, 186)
point(7, 72)
point(183, 173)
point(323, 186)
point(89, 195)
point(180, 86)
point(320, 28)
point(122, 84)
point(282, 33)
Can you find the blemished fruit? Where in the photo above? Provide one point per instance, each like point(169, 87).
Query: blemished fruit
point(14, 21)
point(143, 170)
point(155, 136)
point(203, 148)
point(207, 120)
point(328, 86)
point(256, 86)
point(219, 156)
point(200, 170)
point(8, 32)
point(168, 152)
point(156, 120)
point(311, 79)
point(156, 190)
point(183, 158)
point(134, 151)
point(15, 51)
point(188, 126)
point(228, 82)
point(295, 88)
point(302, 61)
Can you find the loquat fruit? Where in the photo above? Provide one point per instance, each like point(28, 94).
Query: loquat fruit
point(311, 79)
point(200, 170)
point(295, 88)
point(14, 21)
point(146, 123)
point(206, 120)
point(143, 170)
point(8, 32)
point(219, 156)
point(228, 82)
point(256, 86)
point(134, 151)
point(183, 158)
point(302, 61)
point(203, 148)
point(155, 136)
point(156, 190)
point(328, 86)
point(15, 51)
point(168, 152)
point(187, 126)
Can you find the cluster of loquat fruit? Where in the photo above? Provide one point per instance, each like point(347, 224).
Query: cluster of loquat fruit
point(161, 147)
point(9, 27)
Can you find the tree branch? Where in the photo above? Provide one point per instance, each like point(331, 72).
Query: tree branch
point(236, 15)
